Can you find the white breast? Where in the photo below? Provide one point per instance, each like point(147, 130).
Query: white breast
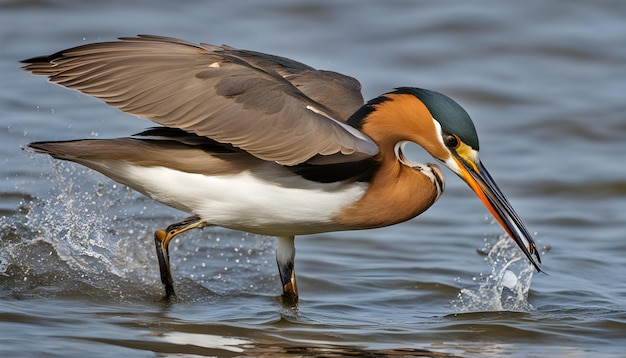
point(270, 201)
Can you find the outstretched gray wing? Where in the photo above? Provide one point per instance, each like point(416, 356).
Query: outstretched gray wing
point(274, 108)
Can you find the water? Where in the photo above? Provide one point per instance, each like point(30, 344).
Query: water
point(545, 84)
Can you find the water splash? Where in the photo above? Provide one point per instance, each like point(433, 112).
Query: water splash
point(81, 223)
point(91, 236)
point(70, 240)
point(505, 288)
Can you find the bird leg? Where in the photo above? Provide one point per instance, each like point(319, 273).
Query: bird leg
point(285, 254)
point(162, 240)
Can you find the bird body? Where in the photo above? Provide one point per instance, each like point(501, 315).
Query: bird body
point(223, 187)
point(273, 200)
point(264, 144)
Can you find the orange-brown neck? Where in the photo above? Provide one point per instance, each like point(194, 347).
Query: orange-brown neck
point(396, 192)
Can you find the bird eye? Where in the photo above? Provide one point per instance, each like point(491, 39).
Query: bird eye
point(451, 140)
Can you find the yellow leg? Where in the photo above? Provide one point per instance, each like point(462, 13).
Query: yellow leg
point(162, 239)
point(290, 291)
point(285, 255)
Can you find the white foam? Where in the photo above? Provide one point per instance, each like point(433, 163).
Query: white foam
point(505, 288)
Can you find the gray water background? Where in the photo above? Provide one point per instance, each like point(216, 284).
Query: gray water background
point(545, 83)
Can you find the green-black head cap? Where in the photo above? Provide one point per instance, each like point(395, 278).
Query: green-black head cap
point(452, 117)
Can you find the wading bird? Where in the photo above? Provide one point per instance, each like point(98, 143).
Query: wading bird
point(264, 144)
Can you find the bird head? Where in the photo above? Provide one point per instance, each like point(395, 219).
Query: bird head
point(445, 130)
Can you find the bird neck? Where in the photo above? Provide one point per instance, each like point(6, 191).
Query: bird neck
point(396, 192)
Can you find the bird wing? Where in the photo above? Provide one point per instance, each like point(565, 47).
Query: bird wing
point(272, 107)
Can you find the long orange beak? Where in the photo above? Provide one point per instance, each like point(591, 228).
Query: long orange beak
point(478, 178)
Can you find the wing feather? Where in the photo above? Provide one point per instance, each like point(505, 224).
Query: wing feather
point(274, 108)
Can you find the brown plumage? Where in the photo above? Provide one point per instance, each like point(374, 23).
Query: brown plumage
point(145, 76)
point(265, 144)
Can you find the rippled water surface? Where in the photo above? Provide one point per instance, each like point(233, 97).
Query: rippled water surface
point(545, 83)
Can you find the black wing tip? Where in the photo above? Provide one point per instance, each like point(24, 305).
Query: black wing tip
point(41, 147)
point(139, 37)
point(41, 59)
point(36, 145)
point(59, 54)
point(45, 59)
